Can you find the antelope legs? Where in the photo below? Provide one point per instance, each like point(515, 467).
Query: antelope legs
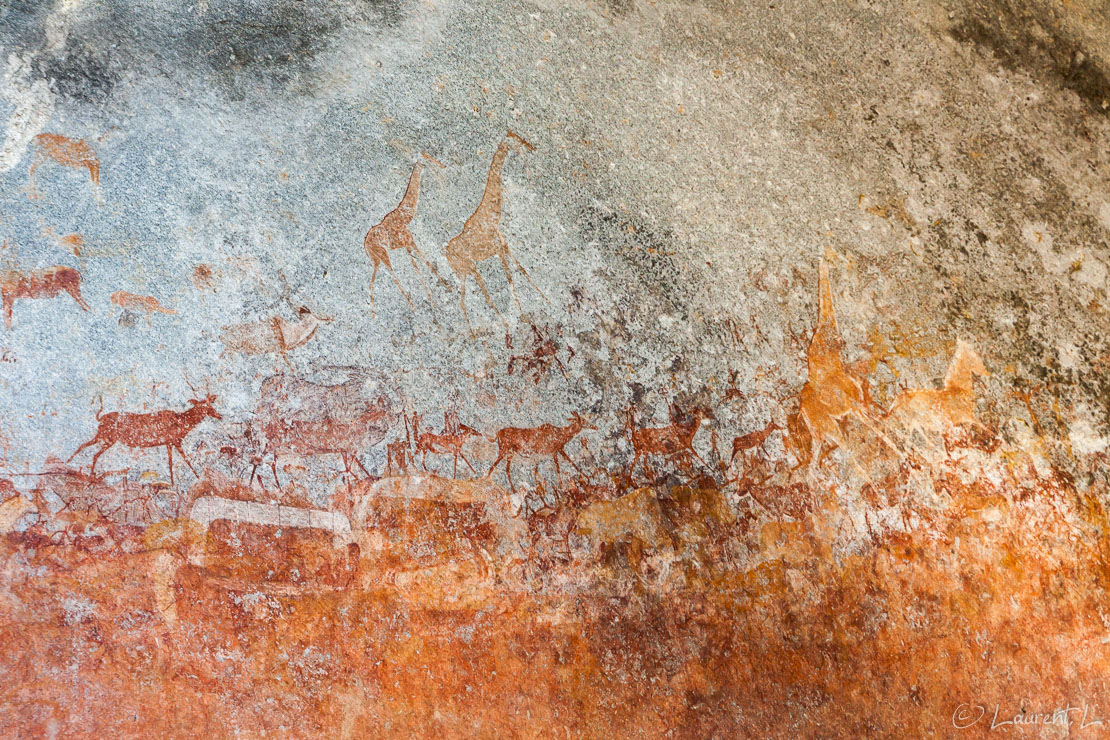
point(363, 467)
point(182, 453)
point(101, 451)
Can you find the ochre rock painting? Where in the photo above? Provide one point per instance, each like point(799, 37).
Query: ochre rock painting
point(164, 428)
point(799, 429)
point(145, 304)
point(391, 233)
point(720, 578)
point(66, 152)
point(481, 237)
point(275, 335)
point(45, 283)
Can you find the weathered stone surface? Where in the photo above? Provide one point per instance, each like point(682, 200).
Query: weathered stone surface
point(554, 369)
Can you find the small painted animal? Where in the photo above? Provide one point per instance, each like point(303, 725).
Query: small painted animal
point(751, 441)
point(677, 438)
point(144, 303)
point(66, 152)
point(45, 283)
point(546, 439)
point(273, 335)
point(932, 410)
point(448, 443)
point(165, 428)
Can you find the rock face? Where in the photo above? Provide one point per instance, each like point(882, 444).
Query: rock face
point(452, 311)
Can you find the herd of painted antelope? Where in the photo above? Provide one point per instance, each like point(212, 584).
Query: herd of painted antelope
point(296, 416)
point(300, 417)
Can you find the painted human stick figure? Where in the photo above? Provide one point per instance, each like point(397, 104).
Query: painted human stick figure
point(481, 237)
point(392, 232)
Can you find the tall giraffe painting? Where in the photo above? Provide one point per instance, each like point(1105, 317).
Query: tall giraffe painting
point(481, 237)
point(392, 232)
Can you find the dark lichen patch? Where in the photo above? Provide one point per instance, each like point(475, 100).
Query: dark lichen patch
point(648, 250)
point(79, 73)
point(242, 42)
point(265, 38)
point(1028, 38)
point(619, 8)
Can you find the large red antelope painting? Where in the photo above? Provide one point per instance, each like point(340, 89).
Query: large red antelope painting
point(164, 428)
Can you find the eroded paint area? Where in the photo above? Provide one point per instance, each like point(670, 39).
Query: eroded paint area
point(923, 553)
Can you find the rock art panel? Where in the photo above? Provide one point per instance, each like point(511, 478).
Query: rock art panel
point(800, 427)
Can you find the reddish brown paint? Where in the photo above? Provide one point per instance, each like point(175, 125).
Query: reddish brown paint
point(543, 440)
point(306, 418)
point(66, 152)
point(676, 438)
point(451, 442)
point(133, 302)
point(543, 353)
point(751, 440)
point(204, 277)
point(45, 283)
point(165, 428)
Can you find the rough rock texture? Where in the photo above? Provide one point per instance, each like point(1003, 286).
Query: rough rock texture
point(648, 369)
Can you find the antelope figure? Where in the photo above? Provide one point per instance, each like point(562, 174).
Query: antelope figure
point(66, 152)
point(546, 439)
point(155, 429)
point(298, 416)
point(45, 283)
point(481, 237)
point(932, 410)
point(751, 441)
point(831, 392)
point(144, 303)
point(675, 438)
point(450, 442)
point(273, 335)
point(392, 232)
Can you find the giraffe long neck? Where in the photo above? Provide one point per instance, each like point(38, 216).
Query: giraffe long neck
point(826, 312)
point(489, 210)
point(407, 207)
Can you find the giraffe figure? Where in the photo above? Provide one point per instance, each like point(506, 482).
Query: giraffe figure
point(832, 392)
point(481, 237)
point(392, 232)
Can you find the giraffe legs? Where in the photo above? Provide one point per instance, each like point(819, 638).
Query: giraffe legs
point(482, 285)
point(431, 267)
point(373, 277)
point(462, 302)
point(398, 282)
point(526, 276)
point(509, 275)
